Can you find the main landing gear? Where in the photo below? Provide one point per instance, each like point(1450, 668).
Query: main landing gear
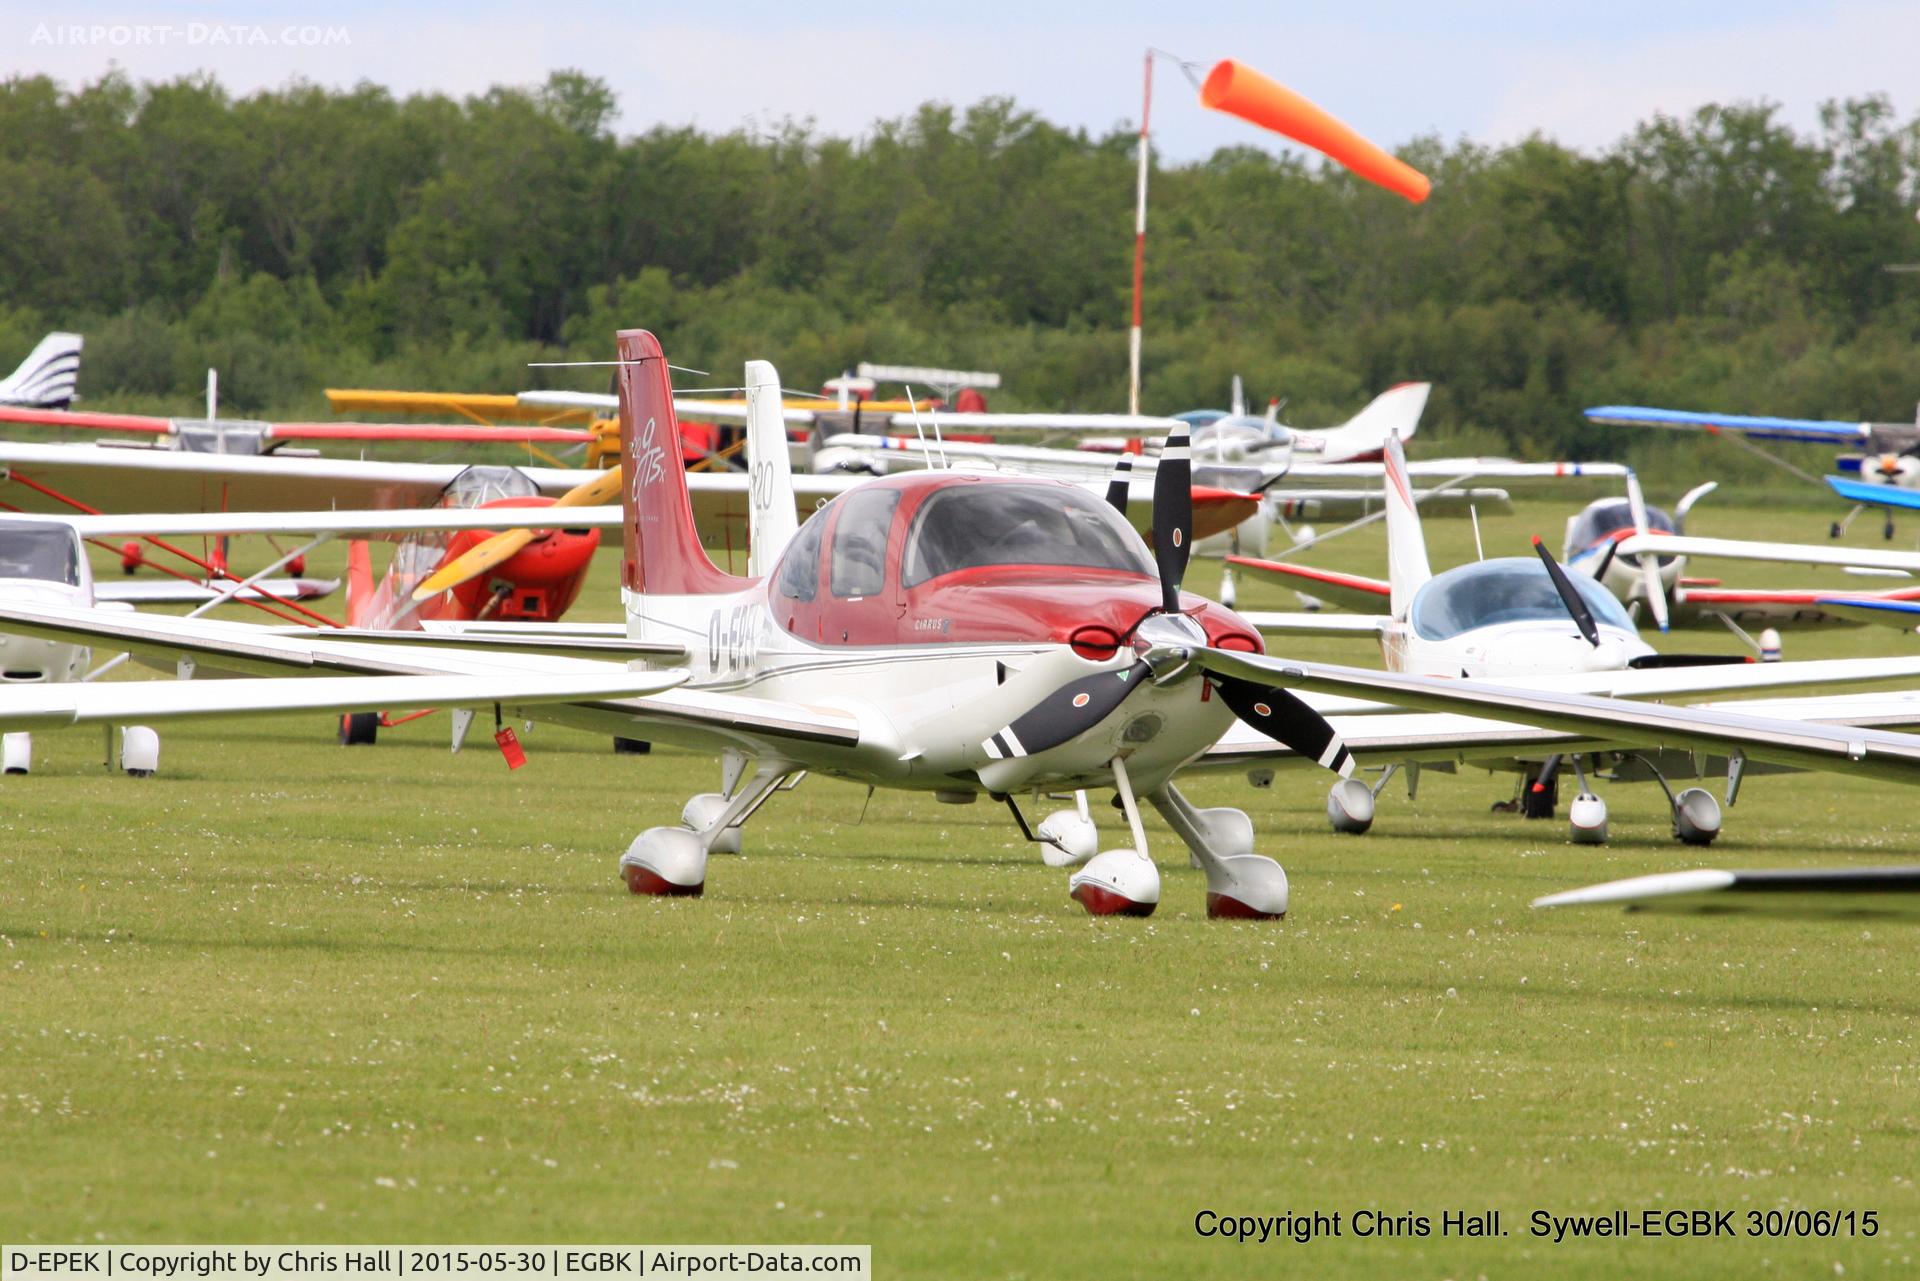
point(1696, 815)
point(673, 860)
point(1125, 882)
point(139, 752)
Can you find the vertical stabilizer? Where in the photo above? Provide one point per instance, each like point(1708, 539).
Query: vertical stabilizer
point(662, 555)
point(773, 519)
point(1394, 412)
point(48, 377)
point(1407, 568)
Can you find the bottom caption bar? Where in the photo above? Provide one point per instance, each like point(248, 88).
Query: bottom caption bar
point(391, 1262)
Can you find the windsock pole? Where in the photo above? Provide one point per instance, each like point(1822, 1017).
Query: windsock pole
point(1139, 246)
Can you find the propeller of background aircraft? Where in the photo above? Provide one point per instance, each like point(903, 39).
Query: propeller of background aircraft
point(503, 547)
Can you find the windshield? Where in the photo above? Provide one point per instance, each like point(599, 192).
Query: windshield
point(1509, 590)
point(1609, 516)
point(46, 552)
point(965, 526)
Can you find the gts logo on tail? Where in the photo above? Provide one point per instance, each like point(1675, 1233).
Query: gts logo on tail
point(649, 459)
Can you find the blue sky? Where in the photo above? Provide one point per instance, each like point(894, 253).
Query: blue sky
point(1490, 70)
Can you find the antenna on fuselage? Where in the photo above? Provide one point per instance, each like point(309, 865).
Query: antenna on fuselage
point(925, 454)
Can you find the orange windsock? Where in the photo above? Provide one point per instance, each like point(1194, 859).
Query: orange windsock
point(1241, 91)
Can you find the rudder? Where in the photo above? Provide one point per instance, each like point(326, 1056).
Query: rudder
point(662, 554)
point(1407, 567)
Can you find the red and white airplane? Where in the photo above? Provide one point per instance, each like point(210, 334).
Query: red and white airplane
point(947, 633)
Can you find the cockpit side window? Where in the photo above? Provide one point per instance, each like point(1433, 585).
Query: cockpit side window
point(859, 566)
point(973, 525)
point(799, 576)
point(48, 553)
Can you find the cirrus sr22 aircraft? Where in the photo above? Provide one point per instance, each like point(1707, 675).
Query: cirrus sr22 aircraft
point(953, 634)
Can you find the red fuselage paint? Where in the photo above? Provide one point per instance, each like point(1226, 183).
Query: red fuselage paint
point(540, 581)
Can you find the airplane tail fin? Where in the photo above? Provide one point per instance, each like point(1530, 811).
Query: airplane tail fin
point(1407, 568)
point(1394, 412)
point(662, 555)
point(773, 521)
point(48, 377)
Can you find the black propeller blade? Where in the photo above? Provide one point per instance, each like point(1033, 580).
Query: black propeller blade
point(1606, 560)
point(1281, 716)
point(1569, 595)
point(1173, 515)
point(1118, 486)
point(1068, 712)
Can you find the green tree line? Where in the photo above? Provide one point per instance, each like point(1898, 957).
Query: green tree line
point(307, 237)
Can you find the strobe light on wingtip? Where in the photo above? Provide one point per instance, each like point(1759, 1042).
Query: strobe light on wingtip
point(1241, 91)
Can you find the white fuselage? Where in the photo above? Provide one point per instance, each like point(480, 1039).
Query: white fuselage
point(1540, 648)
point(926, 710)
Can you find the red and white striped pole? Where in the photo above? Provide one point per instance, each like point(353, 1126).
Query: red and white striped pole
point(1139, 247)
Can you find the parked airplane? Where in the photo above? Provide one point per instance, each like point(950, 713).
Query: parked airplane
point(1890, 451)
point(1523, 620)
point(940, 632)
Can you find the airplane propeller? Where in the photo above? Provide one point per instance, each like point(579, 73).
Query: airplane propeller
point(1173, 516)
point(1649, 564)
point(1079, 705)
point(504, 546)
point(1569, 595)
point(1120, 484)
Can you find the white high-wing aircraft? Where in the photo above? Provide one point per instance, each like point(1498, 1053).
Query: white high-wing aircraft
point(1525, 621)
point(48, 377)
point(942, 632)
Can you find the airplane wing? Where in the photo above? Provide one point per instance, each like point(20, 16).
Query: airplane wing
point(174, 591)
point(1368, 626)
point(1874, 753)
point(1463, 468)
point(1825, 431)
point(1886, 610)
point(1857, 491)
point(1834, 891)
point(698, 719)
point(1666, 682)
point(1349, 504)
point(1379, 735)
point(476, 407)
point(55, 706)
point(346, 524)
point(1784, 607)
point(142, 424)
point(1349, 591)
point(1663, 544)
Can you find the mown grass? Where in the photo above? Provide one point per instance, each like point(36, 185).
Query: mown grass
point(290, 991)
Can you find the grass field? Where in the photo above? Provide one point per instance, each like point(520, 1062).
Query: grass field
point(287, 991)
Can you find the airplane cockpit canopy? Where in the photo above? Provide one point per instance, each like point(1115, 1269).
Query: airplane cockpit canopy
point(36, 549)
point(1608, 517)
point(480, 484)
point(1512, 589)
point(968, 526)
